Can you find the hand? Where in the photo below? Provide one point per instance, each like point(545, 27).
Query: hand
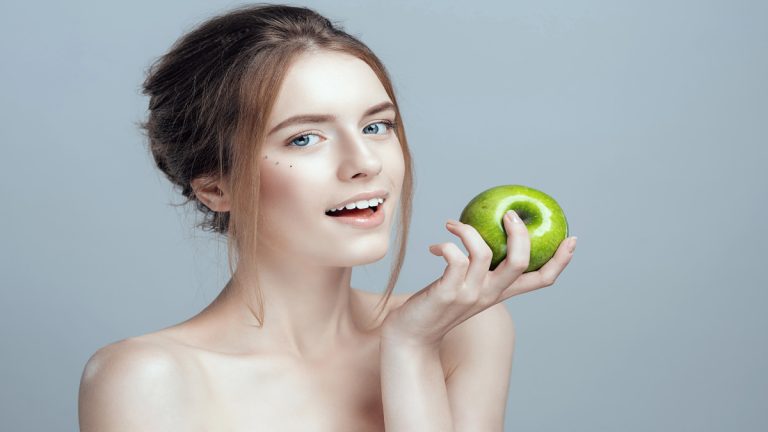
point(468, 287)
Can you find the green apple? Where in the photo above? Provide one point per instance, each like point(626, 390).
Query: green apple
point(542, 215)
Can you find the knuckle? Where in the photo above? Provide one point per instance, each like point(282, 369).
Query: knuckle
point(519, 265)
point(488, 299)
point(445, 296)
point(460, 261)
point(548, 280)
point(484, 253)
point(467, 296)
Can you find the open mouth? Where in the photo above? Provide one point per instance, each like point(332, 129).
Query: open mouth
point(355, 212)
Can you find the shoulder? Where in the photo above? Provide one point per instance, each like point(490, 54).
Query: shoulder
point(490, 325)
point(133, 384)
point(130, 357)
point(490, 332)
point(479, 351)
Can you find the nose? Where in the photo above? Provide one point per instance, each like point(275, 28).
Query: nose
point(359, 158)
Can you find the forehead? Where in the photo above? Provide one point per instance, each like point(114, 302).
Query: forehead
point(327, 82)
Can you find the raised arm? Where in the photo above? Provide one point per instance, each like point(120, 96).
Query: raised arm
point(474, 395)
point(415, 396)
point(413, 388)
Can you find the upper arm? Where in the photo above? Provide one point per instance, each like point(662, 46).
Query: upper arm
point(481, 350)
point(130, 386)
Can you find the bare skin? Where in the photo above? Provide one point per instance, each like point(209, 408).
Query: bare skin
point(314, 365)
point(274, 391)
point(438, 359)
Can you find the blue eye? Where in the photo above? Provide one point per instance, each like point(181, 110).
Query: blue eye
point(303, 139)
point(388, 125)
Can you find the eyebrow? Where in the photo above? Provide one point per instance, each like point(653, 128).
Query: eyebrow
point(320, 118)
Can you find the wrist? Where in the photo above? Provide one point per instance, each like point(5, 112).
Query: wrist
point(391, 337)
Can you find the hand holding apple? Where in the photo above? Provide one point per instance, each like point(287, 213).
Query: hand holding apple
point(542, 215)
point(467, 286)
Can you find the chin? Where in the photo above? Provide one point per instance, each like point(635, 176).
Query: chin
point(367, 253)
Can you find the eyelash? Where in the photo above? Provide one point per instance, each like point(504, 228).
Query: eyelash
point(391, 125)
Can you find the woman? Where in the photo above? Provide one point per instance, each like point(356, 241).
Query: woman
point(274, 122)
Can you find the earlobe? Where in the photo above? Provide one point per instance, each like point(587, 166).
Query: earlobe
point(212, 193)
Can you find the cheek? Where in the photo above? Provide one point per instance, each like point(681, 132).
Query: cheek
point(284, 185)
point(276, 177)
point(396, 161)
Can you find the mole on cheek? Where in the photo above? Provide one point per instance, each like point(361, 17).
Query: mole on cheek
point(277, 162)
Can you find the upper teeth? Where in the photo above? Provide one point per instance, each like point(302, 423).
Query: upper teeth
point(373, 202)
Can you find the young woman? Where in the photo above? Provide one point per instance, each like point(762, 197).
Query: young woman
point(271, 119)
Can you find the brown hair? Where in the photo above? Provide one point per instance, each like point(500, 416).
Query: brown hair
point(210, 97)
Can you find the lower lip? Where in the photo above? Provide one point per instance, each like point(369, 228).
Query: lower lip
point(372, 221)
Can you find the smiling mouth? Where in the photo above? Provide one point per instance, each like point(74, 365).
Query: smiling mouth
point(355, 212)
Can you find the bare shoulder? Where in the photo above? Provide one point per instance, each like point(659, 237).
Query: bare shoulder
point(488, 330)
point(134, 384)
point(495, 321)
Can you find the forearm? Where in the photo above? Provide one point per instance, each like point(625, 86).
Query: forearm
point(413, 389)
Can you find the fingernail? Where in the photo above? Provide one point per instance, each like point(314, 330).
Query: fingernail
point(572, 247)
point(452, 222)
point(512, 216)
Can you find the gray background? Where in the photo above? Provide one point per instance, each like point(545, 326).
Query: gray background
point(647, 121)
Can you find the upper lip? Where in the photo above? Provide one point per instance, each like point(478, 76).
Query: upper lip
point(361, 196)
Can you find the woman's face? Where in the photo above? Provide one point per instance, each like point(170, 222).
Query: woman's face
point(307, 167)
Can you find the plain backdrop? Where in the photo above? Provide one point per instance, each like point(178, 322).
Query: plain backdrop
point(647, 121)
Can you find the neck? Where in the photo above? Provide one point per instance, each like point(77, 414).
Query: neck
point(308, 310)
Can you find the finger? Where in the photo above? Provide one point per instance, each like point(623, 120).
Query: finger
point(546, 275)
point(455, 271)
point(518, 252)
point(480, 254)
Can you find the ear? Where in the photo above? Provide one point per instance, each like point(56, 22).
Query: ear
point(213, 192)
